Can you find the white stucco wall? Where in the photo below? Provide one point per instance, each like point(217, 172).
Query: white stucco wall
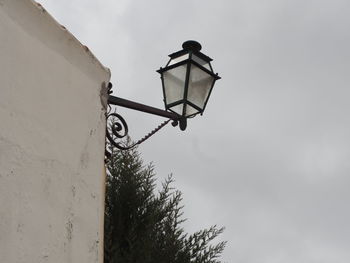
point(52, 135)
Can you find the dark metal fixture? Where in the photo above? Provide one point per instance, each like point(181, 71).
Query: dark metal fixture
point(187, 79)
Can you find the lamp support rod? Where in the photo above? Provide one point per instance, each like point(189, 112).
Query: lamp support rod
point(142, 107)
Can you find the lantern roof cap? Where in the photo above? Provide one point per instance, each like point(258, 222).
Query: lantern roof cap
point(193, 47)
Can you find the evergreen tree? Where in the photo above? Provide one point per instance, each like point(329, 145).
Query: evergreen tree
point(142, 226)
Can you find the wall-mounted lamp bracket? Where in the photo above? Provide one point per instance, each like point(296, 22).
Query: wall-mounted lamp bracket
point(117, 128)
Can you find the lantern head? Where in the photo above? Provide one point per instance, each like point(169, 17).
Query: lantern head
point(187, 80)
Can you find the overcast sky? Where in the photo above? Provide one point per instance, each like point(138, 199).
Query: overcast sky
point(269, 159)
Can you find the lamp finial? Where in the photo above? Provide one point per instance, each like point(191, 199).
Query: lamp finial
point(192, 45)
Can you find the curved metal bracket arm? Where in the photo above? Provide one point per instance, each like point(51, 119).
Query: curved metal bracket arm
point(118, 128)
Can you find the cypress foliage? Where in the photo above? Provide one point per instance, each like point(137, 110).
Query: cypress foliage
point(143, 225)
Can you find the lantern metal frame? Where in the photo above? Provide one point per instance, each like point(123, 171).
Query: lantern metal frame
point(190, 48)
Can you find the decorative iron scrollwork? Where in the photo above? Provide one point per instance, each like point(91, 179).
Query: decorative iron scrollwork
point(117, 130)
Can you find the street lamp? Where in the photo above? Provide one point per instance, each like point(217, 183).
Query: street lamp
point(187, 79)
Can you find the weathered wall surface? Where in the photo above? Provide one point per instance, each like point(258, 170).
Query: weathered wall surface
point(52, 135)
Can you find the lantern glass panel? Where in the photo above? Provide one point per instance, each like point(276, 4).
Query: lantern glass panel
point(174, 84)
point(190, 110)
point(177, 109)
point(199, 86)
point(178, 59)
point(201, 62)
